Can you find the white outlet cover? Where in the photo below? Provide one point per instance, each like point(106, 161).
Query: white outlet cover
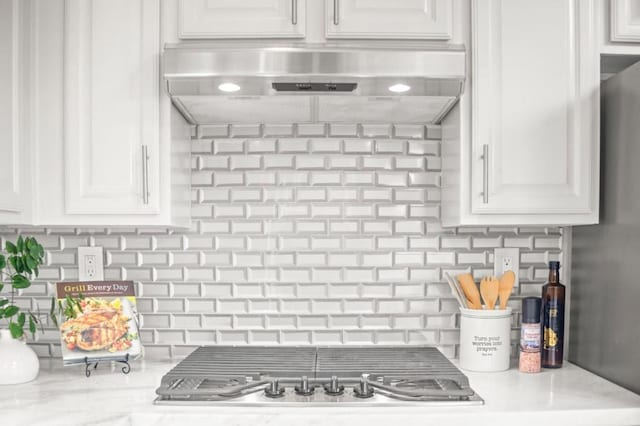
point(503, 256)
point(88, 270)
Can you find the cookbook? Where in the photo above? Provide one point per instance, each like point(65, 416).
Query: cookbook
point(98, 321)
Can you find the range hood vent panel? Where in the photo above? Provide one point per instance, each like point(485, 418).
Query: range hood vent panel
point(219, 85)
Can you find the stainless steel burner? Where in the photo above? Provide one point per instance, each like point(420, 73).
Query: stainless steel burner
point(252, 375)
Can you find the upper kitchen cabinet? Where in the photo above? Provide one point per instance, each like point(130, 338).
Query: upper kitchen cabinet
point(383, 19)
point(285, 19)
point(210, 19)
point(119, 160)
point(619, 30)
point(625, 21)
point(531, 155)
point(14, 108)
point(111, 108)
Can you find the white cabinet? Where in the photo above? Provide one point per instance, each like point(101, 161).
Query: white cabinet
point(346, 19)
point(14, 130)
point(531, 155)
point(109, 151)
point(398, 19)
point(241, 18)
point(625, 21)
point(111, 107)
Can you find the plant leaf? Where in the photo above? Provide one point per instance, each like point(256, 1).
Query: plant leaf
point(19, 264)
point(10, 311)
point(21, 319)
point(20, 281)
point(4, 302)
point(20, 243)
point(31, 263)
point(52, 312)
point(11, 248)
point(3, 262)
point(14, 262)
point(16, 330)
point(32, 326)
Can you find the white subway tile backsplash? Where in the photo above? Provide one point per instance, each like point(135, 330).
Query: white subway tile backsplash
point(212, 131)
point(293, 145)
point(343, 130)
point(303, 234)
point(226, 146)
point(247, 130)
point(319, 129)
point(278, 130)
point(413, 131)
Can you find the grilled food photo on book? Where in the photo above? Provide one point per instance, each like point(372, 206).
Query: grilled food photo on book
point(99, 320)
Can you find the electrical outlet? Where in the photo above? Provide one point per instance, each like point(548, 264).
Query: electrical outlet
point(507, 259)
point(90, 264)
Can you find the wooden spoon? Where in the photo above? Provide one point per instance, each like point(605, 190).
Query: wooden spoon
point(470, 291)
point(489, 291)
point(506, 287)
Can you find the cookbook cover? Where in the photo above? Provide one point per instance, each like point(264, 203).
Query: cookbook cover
point(98, 320)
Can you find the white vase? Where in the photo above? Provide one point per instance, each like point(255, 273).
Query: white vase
point(18, 362)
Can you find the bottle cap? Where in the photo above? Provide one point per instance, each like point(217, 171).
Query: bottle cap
point(531, 310)
point(554, 264)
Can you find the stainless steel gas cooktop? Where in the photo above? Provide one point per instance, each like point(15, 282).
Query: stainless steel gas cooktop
point(280, 375)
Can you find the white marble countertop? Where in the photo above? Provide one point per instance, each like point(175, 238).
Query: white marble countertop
point(64, 396)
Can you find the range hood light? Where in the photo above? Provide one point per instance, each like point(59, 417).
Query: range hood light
point(399, 88)
point(229, 87)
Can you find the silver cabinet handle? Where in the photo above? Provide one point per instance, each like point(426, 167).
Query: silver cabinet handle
point(145, 174)
point(485, 173)
point(294, 12)
point(336, 12)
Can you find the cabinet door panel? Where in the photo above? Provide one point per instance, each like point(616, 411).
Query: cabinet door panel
point(625, 21)
point(111, 106)
point(535, 107)
point(10, 153)
point(403, 19)
point(241, 18)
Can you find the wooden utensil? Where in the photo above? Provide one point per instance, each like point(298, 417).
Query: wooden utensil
point(456, 291)
point(489, 290)
point(470, 291)
point(506, 287)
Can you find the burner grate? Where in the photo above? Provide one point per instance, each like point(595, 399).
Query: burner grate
point(239, 374)
point(250, 361)
point(383, 361)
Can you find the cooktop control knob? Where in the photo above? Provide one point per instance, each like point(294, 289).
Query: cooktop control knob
point(333, 387)
point(273, 390)
point(303, 388)
point(363, 390)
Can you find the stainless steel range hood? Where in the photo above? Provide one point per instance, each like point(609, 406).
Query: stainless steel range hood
point(212, 84)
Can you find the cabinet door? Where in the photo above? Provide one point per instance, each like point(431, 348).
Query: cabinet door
point(111, 106)
point(625, 21)
point(241, 18)
point(11, 185)
point(397, 19)
point(535, 106)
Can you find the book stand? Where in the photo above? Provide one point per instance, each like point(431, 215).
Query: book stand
point(88, 362)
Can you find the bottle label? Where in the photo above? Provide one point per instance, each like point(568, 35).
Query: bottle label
point(553, 324)
point(530, 337)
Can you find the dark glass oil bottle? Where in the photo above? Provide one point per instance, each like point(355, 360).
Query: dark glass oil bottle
point(552, 319)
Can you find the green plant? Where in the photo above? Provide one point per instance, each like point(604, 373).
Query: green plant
point(16, 271)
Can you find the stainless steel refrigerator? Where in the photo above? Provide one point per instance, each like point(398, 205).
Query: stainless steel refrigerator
point(605, 273)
